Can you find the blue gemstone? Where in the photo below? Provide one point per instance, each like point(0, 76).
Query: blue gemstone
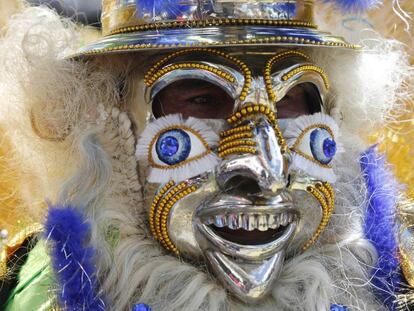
point(329, 147)
point(169, 146)
point(335, 307)
point(141, 307)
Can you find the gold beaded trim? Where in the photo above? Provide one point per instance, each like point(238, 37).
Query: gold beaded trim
point(197, 45)
point(303, 68)
point(212, 23)
point(149, 76)
point(236, 136)
point(234, 150)
point(161, 207)
point(237, 140)
point(325, 195)
point(236, 143)
point(269, 65)
point(300, 137)
point(250, 110)
point(236, 130)
point(155, 204)
point(150, 81)
point(254, 109)
point(169, 167)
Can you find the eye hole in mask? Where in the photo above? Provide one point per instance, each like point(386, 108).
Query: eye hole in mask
point(193, 98)
point(314, 143)
point(177, 149)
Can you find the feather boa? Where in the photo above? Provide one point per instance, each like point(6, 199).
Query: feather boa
point(72, 260)
point(380, 225)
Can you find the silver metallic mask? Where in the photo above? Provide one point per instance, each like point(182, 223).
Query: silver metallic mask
point(247, 192)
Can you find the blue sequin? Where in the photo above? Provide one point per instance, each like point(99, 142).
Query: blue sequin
point(335, 307)
point(141, 307)
point(173, 146)
point(329, 147)
point(322, 145)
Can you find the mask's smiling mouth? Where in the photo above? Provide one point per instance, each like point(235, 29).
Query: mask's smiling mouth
point(250, 229)
point(248, 232)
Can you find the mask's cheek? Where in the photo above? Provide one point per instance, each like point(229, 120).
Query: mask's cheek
point(182, 220)
point(310, 217)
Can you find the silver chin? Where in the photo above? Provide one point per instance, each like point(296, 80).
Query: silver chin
point(247, 270)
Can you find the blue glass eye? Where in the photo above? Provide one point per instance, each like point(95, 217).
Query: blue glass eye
point(173, 146)
point(322, 145)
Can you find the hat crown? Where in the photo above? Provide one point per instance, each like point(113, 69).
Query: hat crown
point(121, 14)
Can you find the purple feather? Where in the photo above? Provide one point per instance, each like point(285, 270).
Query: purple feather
point(72, 261)
point(380, 227)
point(355, 6)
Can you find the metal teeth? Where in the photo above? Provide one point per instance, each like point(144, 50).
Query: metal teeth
point(250, 222)
point(219, 221)
point(283, 219)
point(262, 223)
point(273, 221)
point(232, 222)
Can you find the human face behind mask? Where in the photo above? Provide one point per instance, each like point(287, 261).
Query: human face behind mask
point(241, 150)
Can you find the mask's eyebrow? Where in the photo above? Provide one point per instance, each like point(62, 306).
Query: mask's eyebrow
point(189, 65)
point(160, 68)
point(272, 62)
point(292, 68)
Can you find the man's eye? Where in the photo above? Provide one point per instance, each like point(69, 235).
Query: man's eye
point(193, 98)
point(201, 100)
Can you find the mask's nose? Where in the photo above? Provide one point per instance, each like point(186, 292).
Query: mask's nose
point(261, 170)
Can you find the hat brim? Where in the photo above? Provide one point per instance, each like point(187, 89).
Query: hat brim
point(212, 37)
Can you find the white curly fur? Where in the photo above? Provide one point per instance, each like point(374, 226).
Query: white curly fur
point(106, 182)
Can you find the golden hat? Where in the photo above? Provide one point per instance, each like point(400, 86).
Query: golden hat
point(136, 25)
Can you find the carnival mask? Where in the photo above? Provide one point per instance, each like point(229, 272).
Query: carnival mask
point(244, 182)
